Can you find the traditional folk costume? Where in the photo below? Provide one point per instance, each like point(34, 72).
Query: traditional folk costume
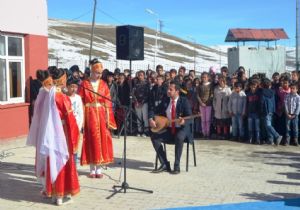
point(55, 134)
point(97, 148)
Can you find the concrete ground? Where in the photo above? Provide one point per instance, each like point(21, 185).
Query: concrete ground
point(227, 172)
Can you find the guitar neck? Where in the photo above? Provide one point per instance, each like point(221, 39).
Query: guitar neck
point(186, 118)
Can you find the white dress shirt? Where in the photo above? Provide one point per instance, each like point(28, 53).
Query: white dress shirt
point(169, 111)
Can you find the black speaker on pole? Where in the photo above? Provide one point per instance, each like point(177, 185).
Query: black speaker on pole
point(130, 42)
point(130, 46)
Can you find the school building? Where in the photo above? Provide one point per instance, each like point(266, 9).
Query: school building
point(23, 50)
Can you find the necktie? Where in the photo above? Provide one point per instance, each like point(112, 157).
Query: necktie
point(173, 115)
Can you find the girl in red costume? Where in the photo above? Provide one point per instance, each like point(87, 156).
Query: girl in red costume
point(55, 134)
point(97, 148)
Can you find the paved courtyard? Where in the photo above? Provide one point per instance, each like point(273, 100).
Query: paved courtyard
point(226, 172)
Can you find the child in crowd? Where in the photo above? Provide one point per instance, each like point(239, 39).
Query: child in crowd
point(295, 76)
point(267, 110)
point(237, 109)
point(253, 112)
point(205, 98)
point(77, 107)
point(141, 92)
point(292, 109)
point(220, 104)
point(275, 81)
point(197, 120)
point(283, 90)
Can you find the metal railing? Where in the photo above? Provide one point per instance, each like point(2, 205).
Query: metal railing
point(121, 64)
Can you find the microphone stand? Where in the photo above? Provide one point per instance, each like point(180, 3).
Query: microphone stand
point(124, 185)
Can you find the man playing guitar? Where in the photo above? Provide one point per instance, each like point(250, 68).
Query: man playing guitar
point(174, 106)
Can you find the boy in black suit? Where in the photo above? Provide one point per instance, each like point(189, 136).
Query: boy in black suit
point(174, 106)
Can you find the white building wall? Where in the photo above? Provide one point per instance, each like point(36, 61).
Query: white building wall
point(24, 16)
point(257, 60)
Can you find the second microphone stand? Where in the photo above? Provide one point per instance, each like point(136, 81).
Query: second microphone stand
point(124, 186)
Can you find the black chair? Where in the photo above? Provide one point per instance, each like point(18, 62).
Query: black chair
point(189, 140)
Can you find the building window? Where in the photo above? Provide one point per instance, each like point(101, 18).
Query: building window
point(14, 46)
point(2, 45)
point(15, 79)
point(3, 89)
point(12, 72)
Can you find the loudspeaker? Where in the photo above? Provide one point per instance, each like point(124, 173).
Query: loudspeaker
point(130, 42)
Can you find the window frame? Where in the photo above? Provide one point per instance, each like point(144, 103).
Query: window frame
point(8, 59)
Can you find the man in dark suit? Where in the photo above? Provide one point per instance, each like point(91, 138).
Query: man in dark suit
point(174, 106)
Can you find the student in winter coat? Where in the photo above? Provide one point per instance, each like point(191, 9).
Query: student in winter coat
point(267, 107)
point(113, 89)
point(237, 109)
point(141, 92)
point(220, 104)
point(253, 112)
point(205, 98)
point(292, 110)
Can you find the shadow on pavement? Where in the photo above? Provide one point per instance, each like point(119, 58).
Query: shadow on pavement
point(289, 199)
point(18, 183)
point(290, 159)
point(118, 163)
point(133, 164)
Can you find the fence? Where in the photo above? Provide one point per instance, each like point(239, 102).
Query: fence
point(112, 65)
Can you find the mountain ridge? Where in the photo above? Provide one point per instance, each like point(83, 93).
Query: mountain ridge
point(69, 43)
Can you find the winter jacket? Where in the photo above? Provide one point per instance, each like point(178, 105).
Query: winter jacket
point(205, 94)
point(113, 88)
point(237, 103)
point(267, 102)
point(281, 93)
point(253, 103)
point(220, 102)
point(292, 104)
point(141, 92)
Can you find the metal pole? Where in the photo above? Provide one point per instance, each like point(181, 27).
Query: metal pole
point(297, 35)
point(194, 40)
point(220, 51)
point(195, 56)
point(93, 27)
point(155, 52)
point(157, 28)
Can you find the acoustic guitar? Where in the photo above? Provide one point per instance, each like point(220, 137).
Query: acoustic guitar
point(163, 122)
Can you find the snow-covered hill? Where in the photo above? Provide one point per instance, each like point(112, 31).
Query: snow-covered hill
point(69, 44)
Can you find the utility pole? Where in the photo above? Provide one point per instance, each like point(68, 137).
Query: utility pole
point(195, 56)
point(194, 42)
point(220, 52)
point(156, 34)
point(161, 25)
point(93, 28)
point(297, 35)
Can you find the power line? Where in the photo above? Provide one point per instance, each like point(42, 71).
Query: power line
point(84, 14)
point(103, 12)
point(108, 15)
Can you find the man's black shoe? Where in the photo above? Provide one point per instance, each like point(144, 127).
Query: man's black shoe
point(163, 167)
point(176, 170)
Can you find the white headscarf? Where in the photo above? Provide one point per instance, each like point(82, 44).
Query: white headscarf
point(47, 135)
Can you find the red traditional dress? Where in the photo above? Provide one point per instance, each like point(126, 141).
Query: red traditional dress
point(66, 182)
point(97, 145)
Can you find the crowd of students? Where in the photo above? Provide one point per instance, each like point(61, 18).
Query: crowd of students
point(231, 106)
